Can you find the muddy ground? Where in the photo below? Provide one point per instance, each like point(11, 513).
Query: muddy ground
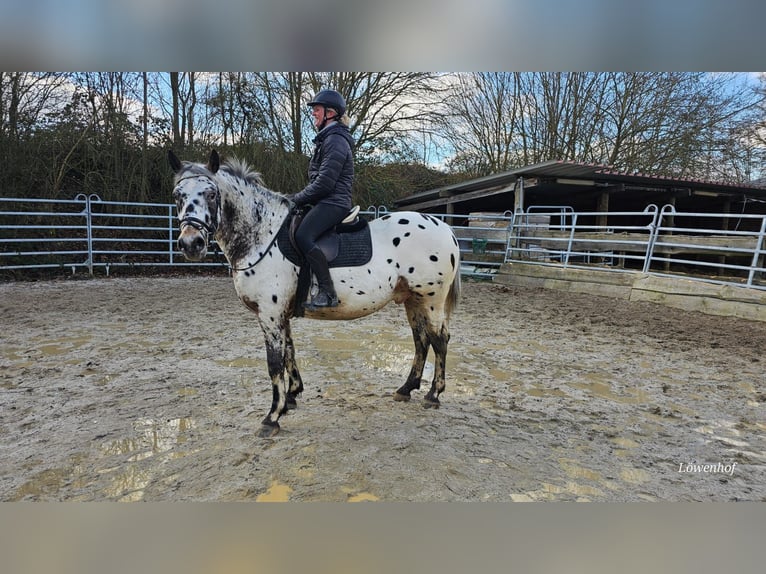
point(153, 389)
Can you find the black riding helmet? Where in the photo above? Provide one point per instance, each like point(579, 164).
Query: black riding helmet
point(330, 99)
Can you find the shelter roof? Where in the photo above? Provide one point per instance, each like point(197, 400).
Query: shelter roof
point(570, 172)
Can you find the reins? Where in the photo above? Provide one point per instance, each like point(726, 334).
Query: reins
point(268, 247)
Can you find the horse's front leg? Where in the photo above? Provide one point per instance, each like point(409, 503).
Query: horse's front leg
point(275, 359)
point(295, 386)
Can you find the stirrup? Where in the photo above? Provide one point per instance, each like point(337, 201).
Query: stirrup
point(322, 300)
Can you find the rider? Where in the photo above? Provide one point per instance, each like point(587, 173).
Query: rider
point(331, 173)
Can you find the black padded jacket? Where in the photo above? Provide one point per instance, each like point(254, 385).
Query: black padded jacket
point(331, 169)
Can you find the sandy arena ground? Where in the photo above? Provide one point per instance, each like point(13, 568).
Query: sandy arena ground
point(153, 389)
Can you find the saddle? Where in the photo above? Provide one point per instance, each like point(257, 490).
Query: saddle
point(348, 244)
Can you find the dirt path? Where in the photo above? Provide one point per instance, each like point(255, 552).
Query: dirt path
point(154, 388)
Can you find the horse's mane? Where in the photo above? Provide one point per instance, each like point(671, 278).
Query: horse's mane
point(239, 168)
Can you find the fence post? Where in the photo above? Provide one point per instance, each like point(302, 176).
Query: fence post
point(654, 231)
point(87, 212)
point(170, 234)
point(757, 253)
point(570, 242)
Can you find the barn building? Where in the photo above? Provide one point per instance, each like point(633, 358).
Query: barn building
point(696, 244)
point(585, 187)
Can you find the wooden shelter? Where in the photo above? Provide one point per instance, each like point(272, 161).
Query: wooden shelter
point(585, 188)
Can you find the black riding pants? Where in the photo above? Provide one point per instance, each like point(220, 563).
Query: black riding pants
point(318, 220)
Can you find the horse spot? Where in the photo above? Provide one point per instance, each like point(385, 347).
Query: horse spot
point(407, 234)
point(252, 305)
point(434, 258)
point(389, 261)
point(432, 293)
point(452, 260)
point(421, 226)
point(369, 272)
point(360, 292)
point(274, 298)
point(411, 270)
point(385, 217)
point(404, 221)
point(397, 240)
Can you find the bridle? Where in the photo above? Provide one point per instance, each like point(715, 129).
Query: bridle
point(207, 229)
point(210, 229)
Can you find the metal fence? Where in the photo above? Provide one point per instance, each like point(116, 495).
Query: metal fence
point(717, 247)
point(89, 234)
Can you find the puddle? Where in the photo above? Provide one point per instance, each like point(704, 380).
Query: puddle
point(51, 347)
point(46, 484)
point(623, 442)
point(151, 437)
point(363, 497)
point(277, 492)
point(634, 475)
point(598, 387)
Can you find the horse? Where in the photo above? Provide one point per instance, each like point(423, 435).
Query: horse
point(410, 258)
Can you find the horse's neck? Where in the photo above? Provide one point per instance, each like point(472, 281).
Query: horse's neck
point(250, 216)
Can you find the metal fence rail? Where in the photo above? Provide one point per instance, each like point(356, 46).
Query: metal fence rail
point(716, 247)
point(87, 233)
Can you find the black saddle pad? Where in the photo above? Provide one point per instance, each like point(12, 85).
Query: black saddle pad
point(354, 246)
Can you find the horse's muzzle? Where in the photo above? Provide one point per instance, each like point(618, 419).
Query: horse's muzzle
point(192, 244)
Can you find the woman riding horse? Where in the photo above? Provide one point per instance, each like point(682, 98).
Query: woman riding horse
point(331, 173)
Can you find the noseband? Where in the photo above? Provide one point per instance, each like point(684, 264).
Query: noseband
point(207, 229)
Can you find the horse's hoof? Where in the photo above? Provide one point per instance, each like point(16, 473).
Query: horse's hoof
point(268, 431)
point(401, 398)
point(291, 404)
point(431, 403)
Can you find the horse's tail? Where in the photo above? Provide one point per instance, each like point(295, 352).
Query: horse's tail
point(454, 291)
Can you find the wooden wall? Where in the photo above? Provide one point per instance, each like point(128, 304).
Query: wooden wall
point(701, 296)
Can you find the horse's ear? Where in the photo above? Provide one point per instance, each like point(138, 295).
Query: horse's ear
point(175, 163)
point(214, 162)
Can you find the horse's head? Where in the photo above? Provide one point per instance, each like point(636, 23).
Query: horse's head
point(198, 200)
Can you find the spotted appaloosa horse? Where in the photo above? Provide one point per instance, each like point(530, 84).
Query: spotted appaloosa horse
point(414, 259)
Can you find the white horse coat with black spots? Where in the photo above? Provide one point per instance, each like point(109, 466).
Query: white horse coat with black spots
point(415, 262)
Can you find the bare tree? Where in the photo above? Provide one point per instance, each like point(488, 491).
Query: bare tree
point(674, 123)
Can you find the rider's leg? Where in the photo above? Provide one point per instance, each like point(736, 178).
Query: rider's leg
point(325, 296)
point(316, 222)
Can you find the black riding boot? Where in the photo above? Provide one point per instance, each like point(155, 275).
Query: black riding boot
point(326, 296)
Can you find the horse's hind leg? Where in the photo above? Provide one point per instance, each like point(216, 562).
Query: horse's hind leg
point(420, 337)
point(295, 385)
point(439, 338)
point(429, 326)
